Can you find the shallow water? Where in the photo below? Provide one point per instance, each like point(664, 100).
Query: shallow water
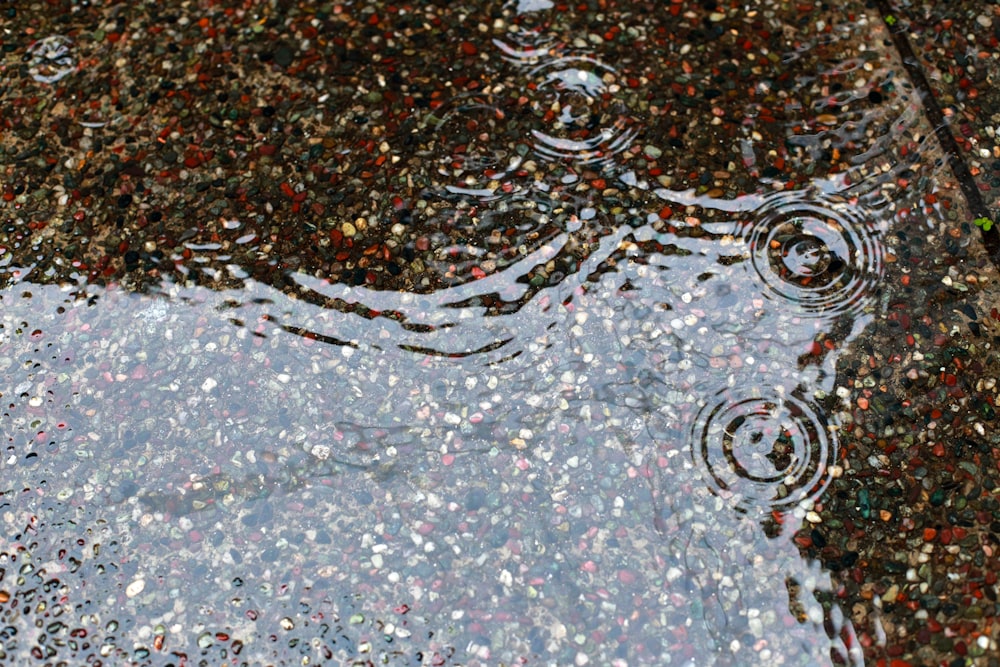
point(587, 428)
point(202, 438)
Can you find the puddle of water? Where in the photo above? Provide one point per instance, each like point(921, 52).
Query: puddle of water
point(582, 422)
point(180, 425)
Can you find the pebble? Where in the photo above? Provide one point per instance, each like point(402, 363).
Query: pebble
point(506, 493)
point(135, 588)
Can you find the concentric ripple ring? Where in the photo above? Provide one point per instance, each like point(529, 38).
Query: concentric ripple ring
point(762, 450)
point(584, 121)
point(465, 131)
point(820, 254)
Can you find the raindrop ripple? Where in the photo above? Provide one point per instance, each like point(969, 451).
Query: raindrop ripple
point(822, 254)
point(763, 450)
point(584, 121)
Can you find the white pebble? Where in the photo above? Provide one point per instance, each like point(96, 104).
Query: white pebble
point(135, 588)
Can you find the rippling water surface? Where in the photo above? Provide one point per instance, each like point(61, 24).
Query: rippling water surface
point(571, 406)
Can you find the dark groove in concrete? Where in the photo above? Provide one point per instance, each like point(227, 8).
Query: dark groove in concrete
point(942, 129)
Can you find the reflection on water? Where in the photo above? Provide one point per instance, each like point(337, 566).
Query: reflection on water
point(589, 403)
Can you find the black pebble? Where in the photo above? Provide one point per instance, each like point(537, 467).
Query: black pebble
point(818, 539)
point(124, 491)
point(124, 201)
point(498, 537)
point(475, 499)
point(283, 56)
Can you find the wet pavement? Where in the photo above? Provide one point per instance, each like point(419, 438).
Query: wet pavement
point(516, 333)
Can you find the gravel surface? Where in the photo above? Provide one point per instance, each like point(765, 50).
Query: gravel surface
point(516, 333)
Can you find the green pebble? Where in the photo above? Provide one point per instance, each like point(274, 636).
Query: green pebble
point(973, 613)
point(943, 644)
point(863, 504)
